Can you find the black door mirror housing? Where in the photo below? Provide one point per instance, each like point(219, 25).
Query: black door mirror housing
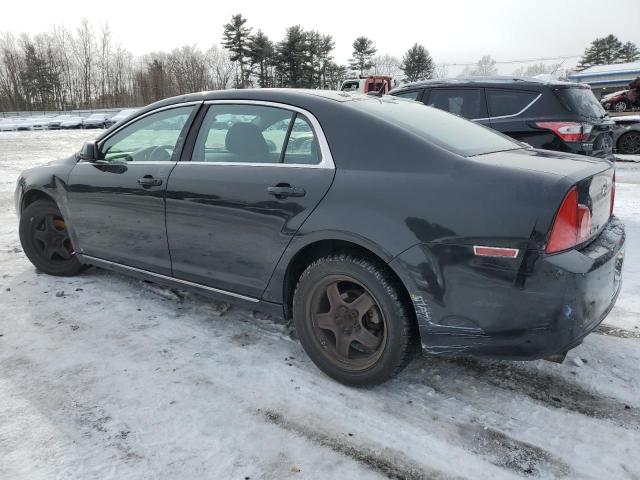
point(89, 152)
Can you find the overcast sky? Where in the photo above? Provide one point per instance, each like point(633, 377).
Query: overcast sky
point(453, 31)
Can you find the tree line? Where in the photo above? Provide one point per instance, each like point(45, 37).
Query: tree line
point(66, 69)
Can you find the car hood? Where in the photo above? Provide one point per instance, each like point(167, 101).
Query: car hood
point(559, 164)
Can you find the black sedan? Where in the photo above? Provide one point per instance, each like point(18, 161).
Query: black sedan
point(379, 225)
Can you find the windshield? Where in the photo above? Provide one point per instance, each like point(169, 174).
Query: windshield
point(582, 101)
point(444, 129)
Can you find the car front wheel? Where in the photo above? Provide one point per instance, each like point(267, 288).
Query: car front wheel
point(351, 320)
point(45, 239)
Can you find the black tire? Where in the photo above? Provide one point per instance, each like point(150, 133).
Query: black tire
point(45, 240)
point(629, 143)
point(358, 278)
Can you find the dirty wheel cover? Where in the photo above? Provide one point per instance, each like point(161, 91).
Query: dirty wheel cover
point(51, 238)
point(347, 322)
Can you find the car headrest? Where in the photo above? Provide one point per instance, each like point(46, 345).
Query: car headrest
point(246, 140)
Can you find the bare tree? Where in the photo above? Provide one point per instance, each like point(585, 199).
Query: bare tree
point(104, 65)
point(387, 65)
point(84, 49)
point(221, 68)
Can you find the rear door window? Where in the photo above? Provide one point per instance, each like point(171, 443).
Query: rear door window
point(242, 134)
point(464, 102)
point(503, 102)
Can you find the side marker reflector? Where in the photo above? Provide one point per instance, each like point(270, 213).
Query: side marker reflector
point(495, 252)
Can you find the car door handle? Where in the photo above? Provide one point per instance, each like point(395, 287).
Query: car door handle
point(283, 190)
point(149, 181)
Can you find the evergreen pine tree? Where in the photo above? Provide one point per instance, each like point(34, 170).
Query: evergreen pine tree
point(363, 52)
point(235, 38)
point(417, 64)
point(602, 51)
point(320, 47)
point(629, 52)
point(292, 57)
point(260, 53)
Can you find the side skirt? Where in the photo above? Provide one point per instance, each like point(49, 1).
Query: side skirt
point(273, 309)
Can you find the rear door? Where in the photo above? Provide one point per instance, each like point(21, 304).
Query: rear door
point(467, 102)
point(115, 203)
point(509, 113)
point(255, 171)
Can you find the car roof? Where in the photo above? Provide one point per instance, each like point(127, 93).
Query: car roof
point(502, 81)
point(292, 96)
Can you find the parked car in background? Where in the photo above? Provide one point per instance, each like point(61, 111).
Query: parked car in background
point(552, 115)
point(7, 124)
point(120, 116)
point(624, 99)
point(467, 242)
point(24, 124)
point(54, 123)
point(71, 122)
point(40, 123)
point(96, 120)
point(626, 134)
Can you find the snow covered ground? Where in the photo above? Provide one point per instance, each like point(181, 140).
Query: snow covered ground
point(103, 376)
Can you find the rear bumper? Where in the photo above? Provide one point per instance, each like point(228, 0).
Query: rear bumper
point(545, 307)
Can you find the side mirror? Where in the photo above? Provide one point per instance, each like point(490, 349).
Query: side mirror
point(89, 152)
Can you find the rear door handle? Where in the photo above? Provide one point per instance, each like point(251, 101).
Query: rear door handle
point(283, 190)
point(149, 181)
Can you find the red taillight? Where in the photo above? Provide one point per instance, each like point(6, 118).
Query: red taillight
point(568, 131)
point(613, 194)
point(572, 225)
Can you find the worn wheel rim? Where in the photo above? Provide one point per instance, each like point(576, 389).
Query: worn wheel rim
point(347, 322)
point(631, 143)
point(51, 238)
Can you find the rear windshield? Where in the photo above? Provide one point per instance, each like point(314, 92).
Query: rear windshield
point(582, 102)
point(444, 129)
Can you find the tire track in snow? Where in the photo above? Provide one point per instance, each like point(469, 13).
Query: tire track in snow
point(546, 388)
point(395, 466)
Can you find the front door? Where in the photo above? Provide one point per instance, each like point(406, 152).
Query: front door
point(255, 174)
point(116, 202)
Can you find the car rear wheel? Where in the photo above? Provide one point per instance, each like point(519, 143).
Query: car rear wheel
point(351, 321)
point(620, 106)
point(629, 143)
point(45, 240)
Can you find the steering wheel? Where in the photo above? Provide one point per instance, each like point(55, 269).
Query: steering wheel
point(161, 153)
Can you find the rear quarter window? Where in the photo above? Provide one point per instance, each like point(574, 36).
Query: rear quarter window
point(508, 102)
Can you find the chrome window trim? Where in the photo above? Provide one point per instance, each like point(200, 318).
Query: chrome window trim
point(139, 117)
point(513, 114)
point(166, 277)
point(326, 160)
